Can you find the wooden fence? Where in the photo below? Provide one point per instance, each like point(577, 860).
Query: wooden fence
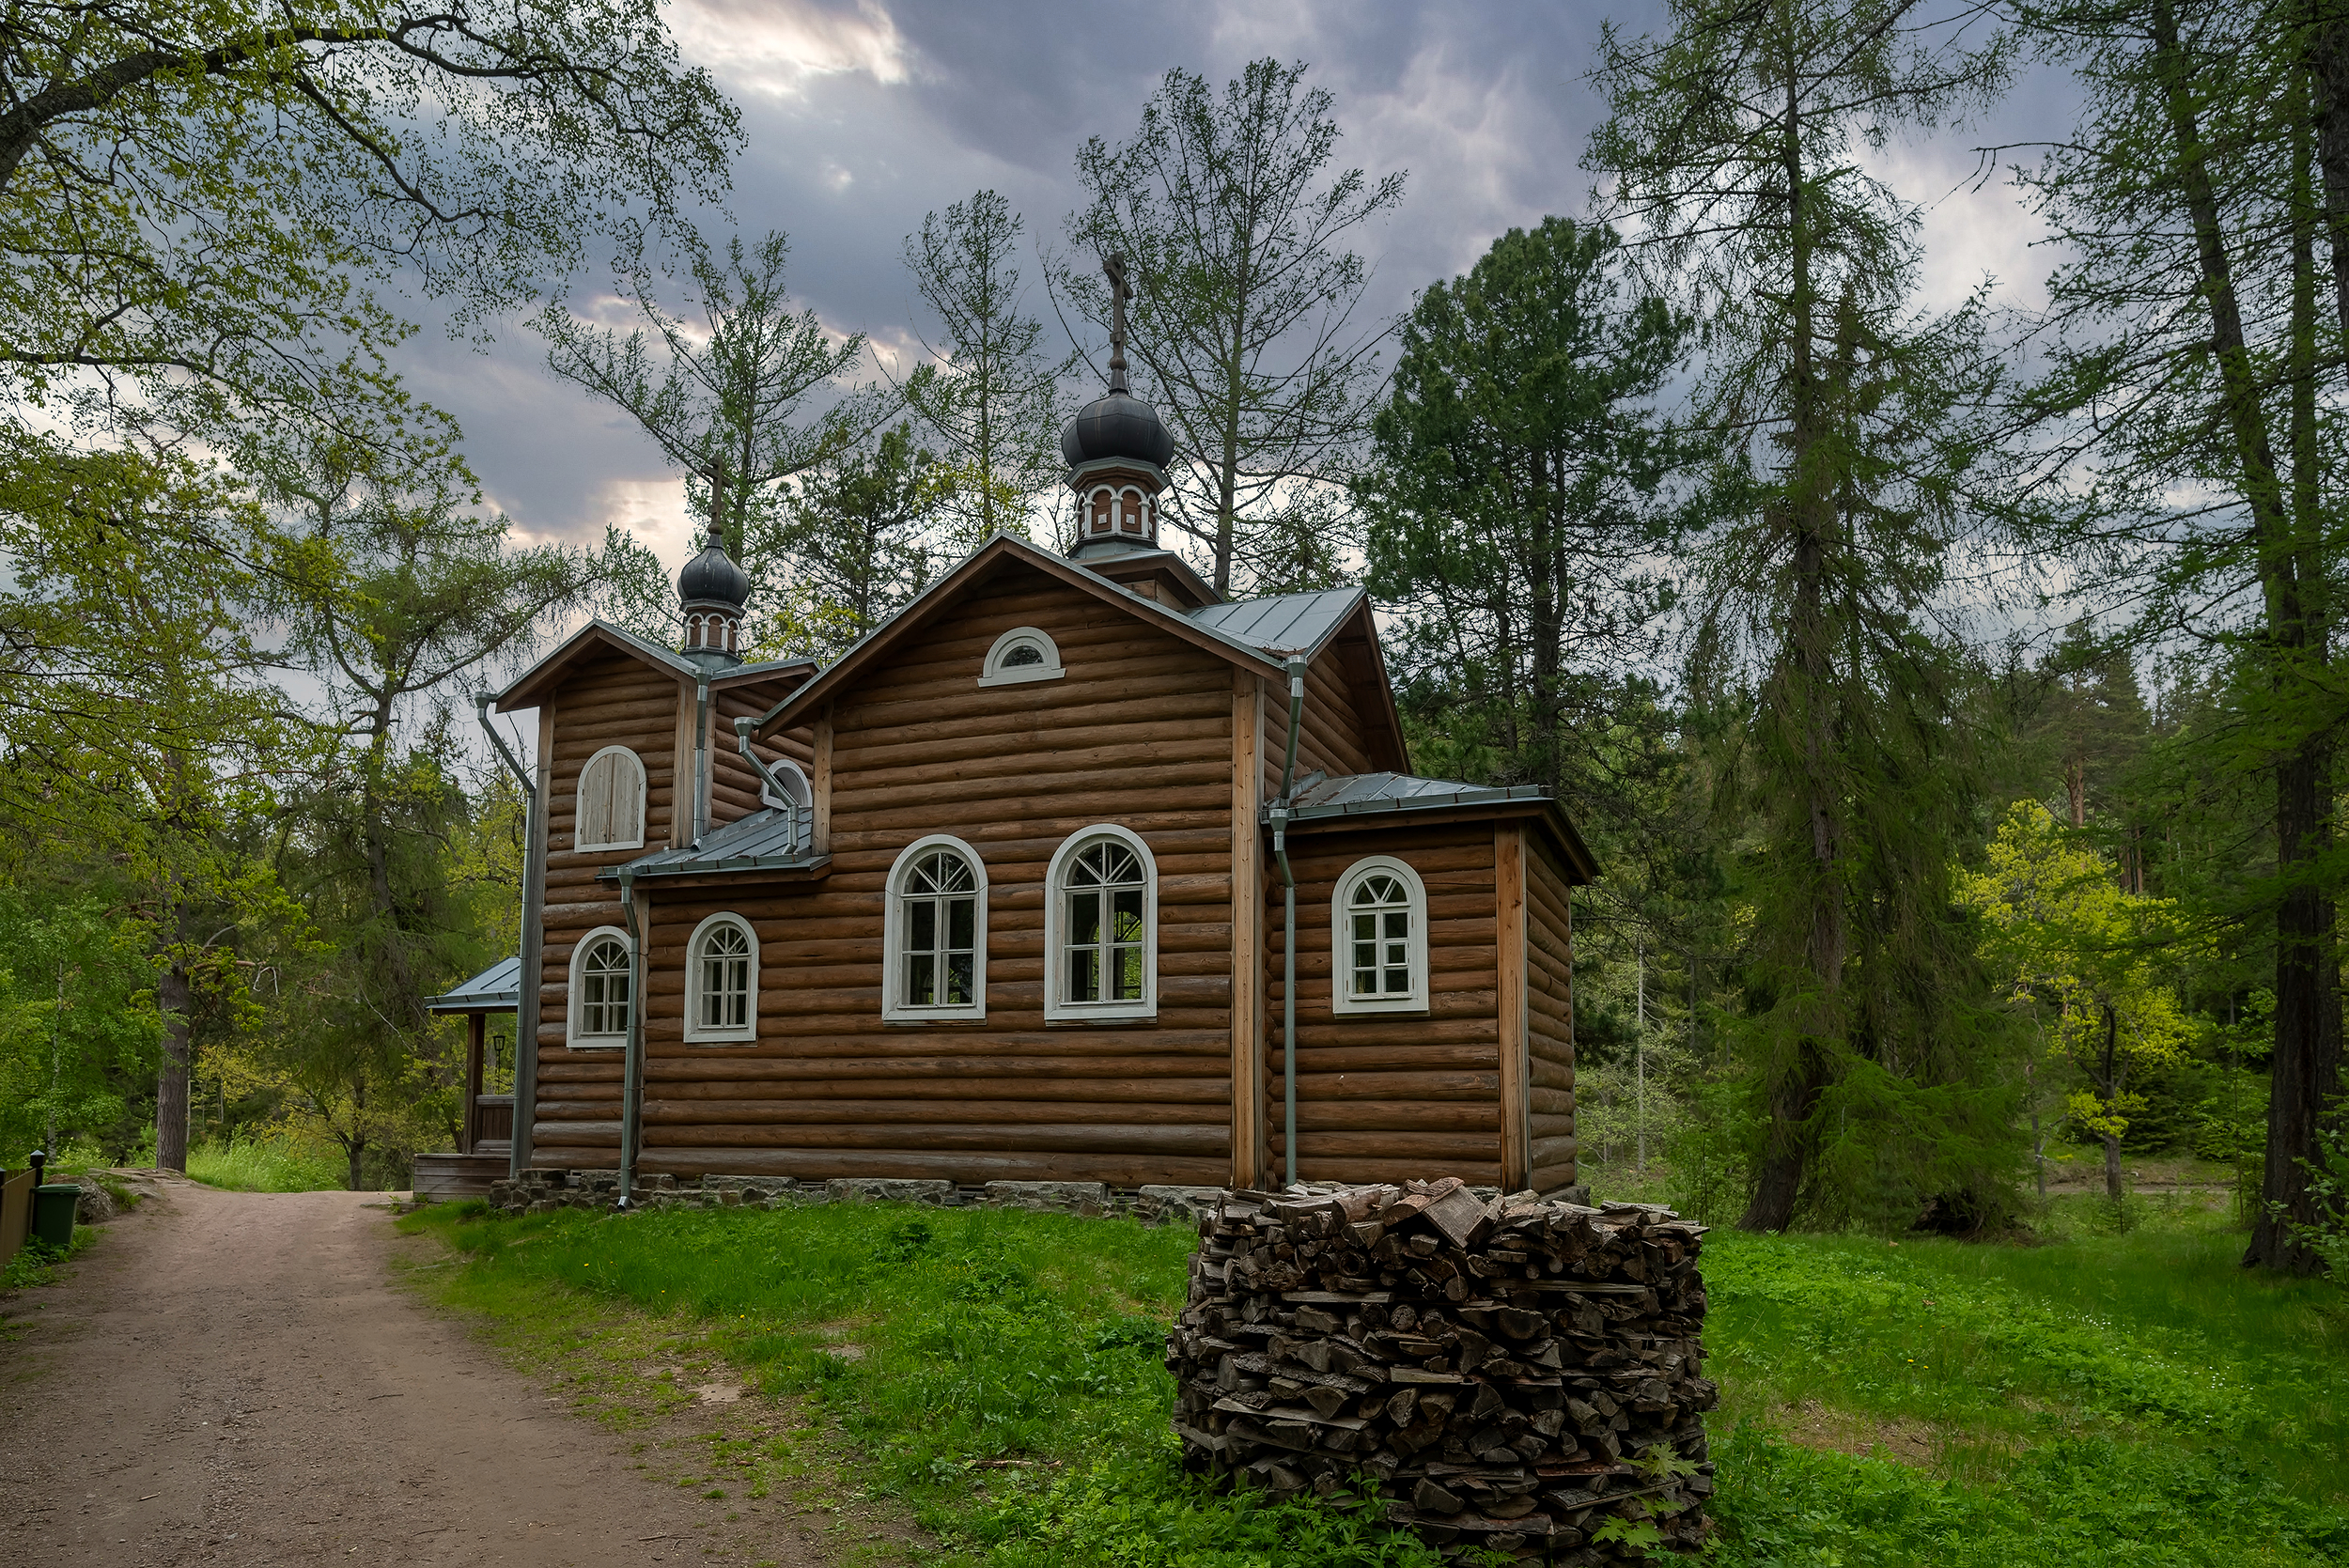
point(16, 1211)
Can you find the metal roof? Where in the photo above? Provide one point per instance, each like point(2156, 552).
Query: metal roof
point(495, 989)
point(1284, 623)
point(1357, 794)
point(763, 841)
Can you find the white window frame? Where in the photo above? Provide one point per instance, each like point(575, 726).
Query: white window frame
point(571, 1008)
point(894, 935)
point(696, 1031)
point(578, 801)
point(1342, 936)
point(994, 672)
point(1057, 1010)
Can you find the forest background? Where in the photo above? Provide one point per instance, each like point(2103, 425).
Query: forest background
point(1950, 692)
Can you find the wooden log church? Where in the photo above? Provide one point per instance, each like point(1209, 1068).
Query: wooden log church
point(1004, 892)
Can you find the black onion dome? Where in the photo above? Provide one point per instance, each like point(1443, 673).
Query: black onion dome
point(1116, 426)
point(713, 576)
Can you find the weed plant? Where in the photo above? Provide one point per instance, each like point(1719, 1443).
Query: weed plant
point(2108, 1400)
point(266, 1165)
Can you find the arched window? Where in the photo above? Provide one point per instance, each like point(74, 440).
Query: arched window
point(604, 981)
point(1101, 928)
point(1129, 510)
point(935, 945)
point(1379, 939)
point(1021, 654)
point(611, 804)
point(721, 982)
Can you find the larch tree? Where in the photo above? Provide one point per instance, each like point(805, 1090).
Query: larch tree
point(1736, 154)
point(995, 405)
point(2191, 440)
point(1239, 233)
point(736, 399)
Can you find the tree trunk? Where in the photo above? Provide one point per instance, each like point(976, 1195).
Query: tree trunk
point(2112, 1167)
point(171, 1084)
point(2306, 1063)
point(1795, 1098)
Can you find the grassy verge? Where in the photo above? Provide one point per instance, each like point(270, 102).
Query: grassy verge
point(2112, 1400)
point(36, 1262)
point(266, 1165)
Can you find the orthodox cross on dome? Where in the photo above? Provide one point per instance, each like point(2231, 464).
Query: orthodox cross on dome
point(1114, 267)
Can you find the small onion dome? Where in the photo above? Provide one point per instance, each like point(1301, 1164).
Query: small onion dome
point(1116, 426)
point(712, 577)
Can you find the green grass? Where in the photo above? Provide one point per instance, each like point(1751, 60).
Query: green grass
point(266, 1165)
point(2112, 1400)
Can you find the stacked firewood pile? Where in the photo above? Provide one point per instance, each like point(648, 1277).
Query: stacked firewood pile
point(1514, 1374)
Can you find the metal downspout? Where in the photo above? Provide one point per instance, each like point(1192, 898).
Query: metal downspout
point(533, 942)
point(631, 1113)
point(743, 728)
point(1288, 922)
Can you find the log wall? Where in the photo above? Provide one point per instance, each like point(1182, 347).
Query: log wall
point(1140, 732)
point(1549, 994)
point(1384, 1097)
point(615, 700)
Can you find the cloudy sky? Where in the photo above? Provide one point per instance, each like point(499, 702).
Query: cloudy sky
point(863, 114)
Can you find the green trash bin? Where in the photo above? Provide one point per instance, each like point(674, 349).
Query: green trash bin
point(53, 1212)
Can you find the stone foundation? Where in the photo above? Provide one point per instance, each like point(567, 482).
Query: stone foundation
point(544, 1191)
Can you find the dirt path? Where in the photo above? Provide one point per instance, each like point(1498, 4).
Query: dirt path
point(234, 1379)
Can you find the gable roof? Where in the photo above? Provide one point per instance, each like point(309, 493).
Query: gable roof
point(974, 568)
point(530, 687)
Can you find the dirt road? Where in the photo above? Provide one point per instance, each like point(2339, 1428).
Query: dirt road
point(234, 1379)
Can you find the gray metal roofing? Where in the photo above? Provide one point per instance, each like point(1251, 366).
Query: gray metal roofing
point(762, 840)
point(1282, 623)
point(493, 990)
point(1354, 794)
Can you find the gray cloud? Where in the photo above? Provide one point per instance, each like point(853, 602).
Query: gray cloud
point(863, 116)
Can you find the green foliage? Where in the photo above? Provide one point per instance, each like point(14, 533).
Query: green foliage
point(78, 1029)
point(1515, 519)
point(267, 1163)
point(860, 534)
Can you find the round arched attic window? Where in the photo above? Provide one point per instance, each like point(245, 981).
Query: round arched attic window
point(1021, 654)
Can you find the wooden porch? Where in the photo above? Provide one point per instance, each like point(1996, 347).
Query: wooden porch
point(486, 1133)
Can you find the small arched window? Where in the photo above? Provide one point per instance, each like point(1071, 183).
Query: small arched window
point(1021, 654)
point(1101, 928)
point(1129, 510)
point(721, 982)
point(935, 940)
point(603, 982)
point(1379, 939)
point(611, 803)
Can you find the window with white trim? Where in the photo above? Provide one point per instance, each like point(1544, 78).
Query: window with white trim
point(603, 982)
point(1379, 939)
point(610, 811)
point(1101, 928)
point(1021, 654)
point(721, 982)
point(935, 940)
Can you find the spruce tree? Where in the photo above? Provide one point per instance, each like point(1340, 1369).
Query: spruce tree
point(1735, 151)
